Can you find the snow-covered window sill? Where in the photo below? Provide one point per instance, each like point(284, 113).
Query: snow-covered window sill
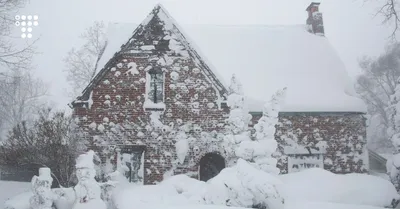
point(150, 106)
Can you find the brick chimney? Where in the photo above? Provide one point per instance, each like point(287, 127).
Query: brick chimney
point(314, 21)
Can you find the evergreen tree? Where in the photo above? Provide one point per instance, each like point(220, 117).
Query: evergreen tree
point(265, 133)
point(239, 117)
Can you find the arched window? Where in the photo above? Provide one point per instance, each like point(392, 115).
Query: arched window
point(155, 91)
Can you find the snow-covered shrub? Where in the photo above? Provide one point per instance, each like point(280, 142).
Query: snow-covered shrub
point(243, 185)
point(53, 140)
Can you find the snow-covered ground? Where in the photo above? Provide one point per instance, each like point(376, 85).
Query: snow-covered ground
point(243, 186)
point(9, 189)
point(322, 186)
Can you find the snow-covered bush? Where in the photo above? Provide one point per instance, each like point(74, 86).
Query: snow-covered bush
point(245, 186)
point(242, 185)
point(54, 141)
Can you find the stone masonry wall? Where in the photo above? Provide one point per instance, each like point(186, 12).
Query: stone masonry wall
point(342, 135)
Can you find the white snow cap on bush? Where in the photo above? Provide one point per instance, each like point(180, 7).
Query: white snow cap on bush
point(85, 160)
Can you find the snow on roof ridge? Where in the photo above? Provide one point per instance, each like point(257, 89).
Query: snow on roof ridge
point(191, 43)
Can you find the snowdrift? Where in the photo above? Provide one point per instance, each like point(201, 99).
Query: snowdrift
point(9, 189)
point(318, 185)
point(244, 186)
point(240, 186)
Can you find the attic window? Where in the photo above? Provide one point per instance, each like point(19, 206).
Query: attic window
point(155, 92)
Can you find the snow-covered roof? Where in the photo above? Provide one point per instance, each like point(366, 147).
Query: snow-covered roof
point(265, 59)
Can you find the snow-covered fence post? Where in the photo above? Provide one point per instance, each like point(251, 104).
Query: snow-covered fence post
point(42, 197)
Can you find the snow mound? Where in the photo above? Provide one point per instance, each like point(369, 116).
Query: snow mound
point(20, 201)
point(244, 186)
point(323, 186)
point(185, 185)
point(8, 189)
point(147, 196)
point(239, 186)
point(324, 205)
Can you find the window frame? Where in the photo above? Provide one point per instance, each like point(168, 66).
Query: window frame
point(148, 85)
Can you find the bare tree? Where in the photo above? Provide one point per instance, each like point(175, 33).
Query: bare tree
point(376, 85)
point(388, 10)
point(54, 140)
point(81, 64)
point(20, 96)
point(12, 57)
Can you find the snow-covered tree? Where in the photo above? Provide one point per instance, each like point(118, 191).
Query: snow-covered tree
point(237, 124)
point(394, 133)
point(239, 117)
point(265, 133)
point(259, 150)
point(87, 191)
point(376, 85)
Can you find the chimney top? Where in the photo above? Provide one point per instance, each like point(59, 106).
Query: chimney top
point(313, 4)
point(314, 21)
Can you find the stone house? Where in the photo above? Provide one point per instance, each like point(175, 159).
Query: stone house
point(158, 101)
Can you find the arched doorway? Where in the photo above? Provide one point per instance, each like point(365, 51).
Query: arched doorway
point(210, 165)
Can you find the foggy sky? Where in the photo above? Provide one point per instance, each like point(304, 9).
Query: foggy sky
point(349, 25)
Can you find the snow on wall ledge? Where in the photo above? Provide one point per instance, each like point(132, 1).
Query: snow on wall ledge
point(270, 58)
